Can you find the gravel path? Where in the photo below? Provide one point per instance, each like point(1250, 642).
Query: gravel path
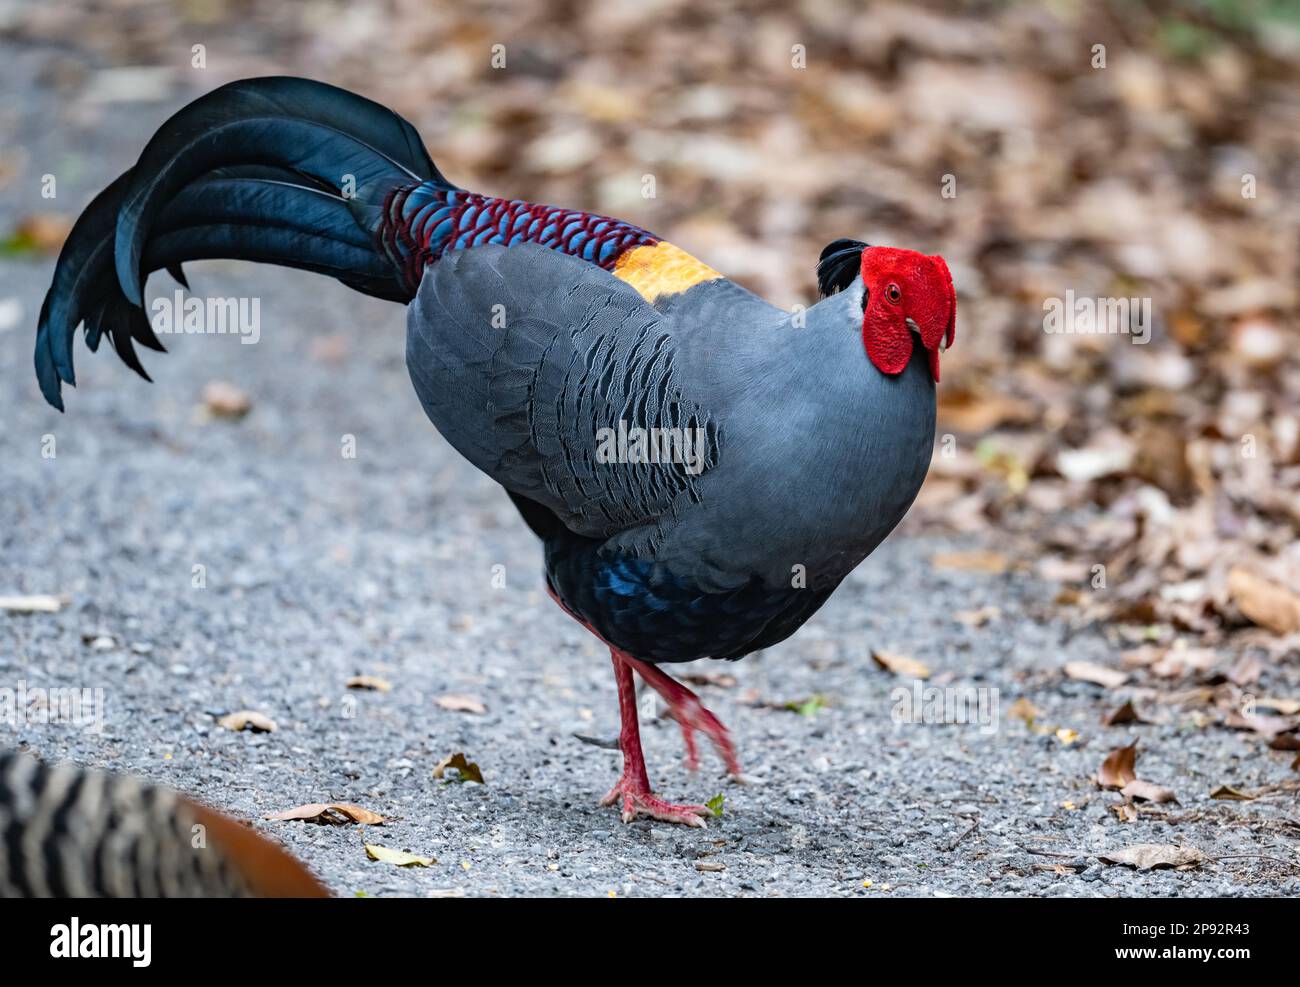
point(320, 567)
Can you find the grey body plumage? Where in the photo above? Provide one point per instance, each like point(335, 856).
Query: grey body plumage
point(812, 456)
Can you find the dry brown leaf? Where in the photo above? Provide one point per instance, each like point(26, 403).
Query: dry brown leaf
point(224, 400)
point(1283, 707)
point(1202, 695)
point(1177, 662)
point(1143, 657)
point(1125, 714)
point(1087, 671)
point(977, 618)
point(1264, 602)
point(1230, 794)
point(331, 813)
point(1259, 342)
point(371, 682)
point(938, 492)
point(1161, 459)
point(1147, 792)
point(1023, 709)
point(33, 604)
point(1125, 811)
point(1055, 569)
point(1119, 768)
point(1245, 671)
point(964, 411)
point(457, 703)
point(901, 665)
point(1132, 633)
point(399, 858)
point(1285, 742)
point(1113, 453)
point(1267, 726)
point(1145, 856)
point(465, 768)
point(43, 232)
point(990, 563)
point(247, 719)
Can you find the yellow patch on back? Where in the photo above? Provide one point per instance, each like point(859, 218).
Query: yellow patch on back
point(661, 269)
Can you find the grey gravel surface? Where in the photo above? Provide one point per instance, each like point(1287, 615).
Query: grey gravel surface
point(320, 567)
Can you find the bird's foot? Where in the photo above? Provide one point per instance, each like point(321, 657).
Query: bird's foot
point(691, 715)
point(638, 800)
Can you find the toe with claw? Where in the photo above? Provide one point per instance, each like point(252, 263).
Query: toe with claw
point(638, 800)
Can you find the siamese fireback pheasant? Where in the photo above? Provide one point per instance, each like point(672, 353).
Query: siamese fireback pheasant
point(702, 467)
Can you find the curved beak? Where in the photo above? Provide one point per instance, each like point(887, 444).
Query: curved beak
point(944, 341)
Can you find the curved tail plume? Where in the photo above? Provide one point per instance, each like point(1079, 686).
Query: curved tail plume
point(279, 170)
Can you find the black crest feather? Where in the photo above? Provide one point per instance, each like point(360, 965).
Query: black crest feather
point(839, 264)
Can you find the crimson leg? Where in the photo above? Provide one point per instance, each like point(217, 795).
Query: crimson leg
point(690, 713)
point(633, 787)
point(684, 705)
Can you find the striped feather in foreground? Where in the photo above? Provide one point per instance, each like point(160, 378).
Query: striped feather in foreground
point(69, 832)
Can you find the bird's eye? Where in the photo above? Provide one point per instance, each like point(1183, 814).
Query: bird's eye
point(893, 294)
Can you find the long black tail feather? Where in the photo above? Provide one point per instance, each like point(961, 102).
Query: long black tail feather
point(256, 170)
point(273, 221)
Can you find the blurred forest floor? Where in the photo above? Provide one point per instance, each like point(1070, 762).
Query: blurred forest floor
point(1158, 484)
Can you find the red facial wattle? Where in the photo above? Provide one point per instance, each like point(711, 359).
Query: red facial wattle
point(886, 337)
point(906, 292)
